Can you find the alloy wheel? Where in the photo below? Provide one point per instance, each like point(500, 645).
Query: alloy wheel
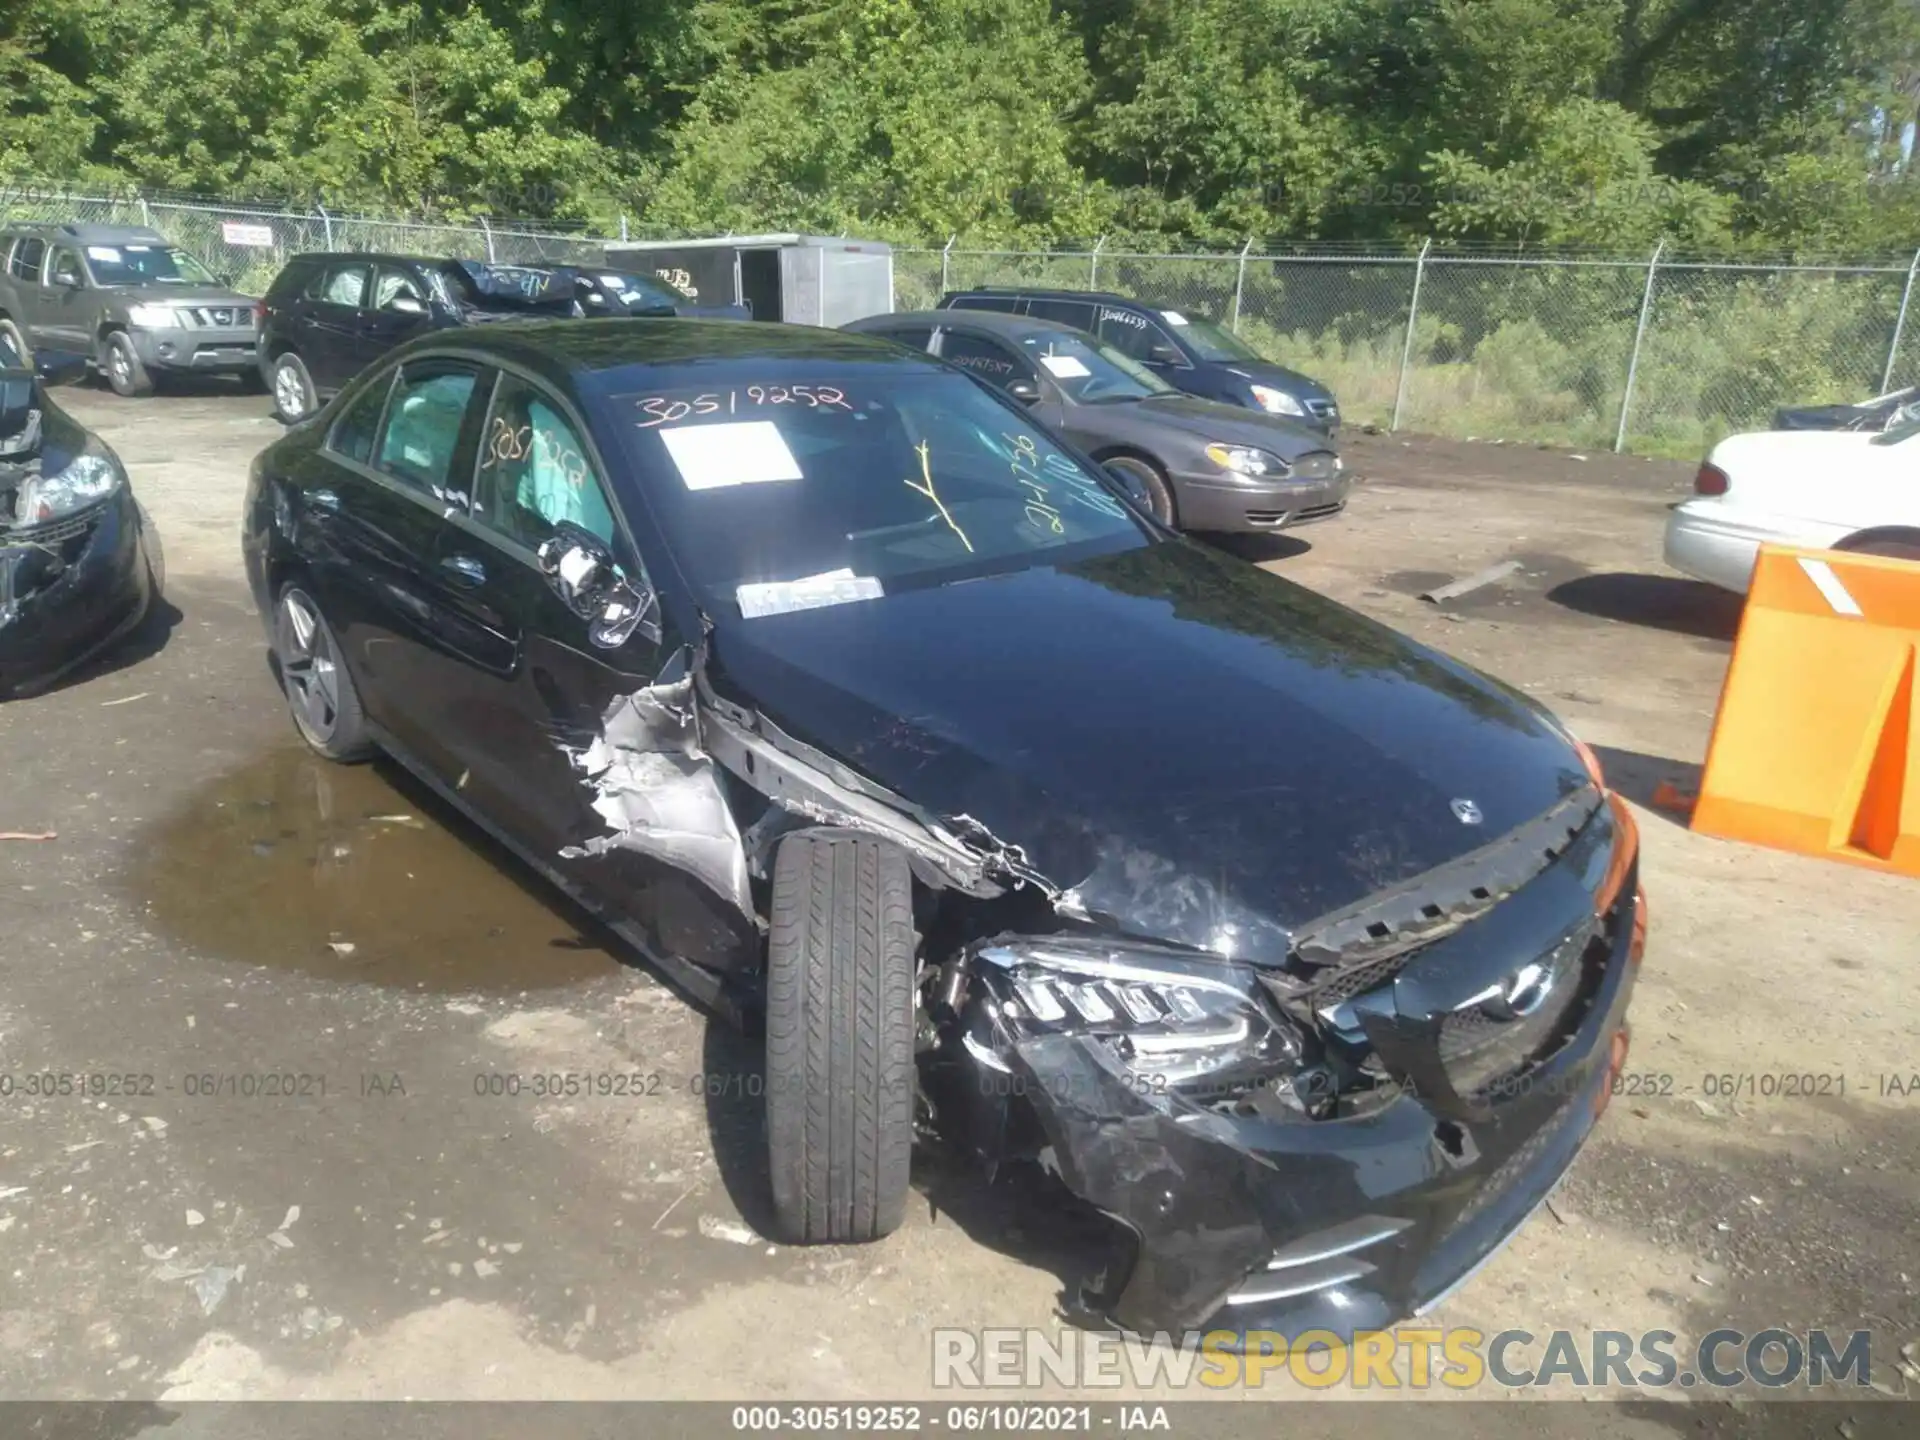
point(117, 363)
point(289, 392)
point(308, 667)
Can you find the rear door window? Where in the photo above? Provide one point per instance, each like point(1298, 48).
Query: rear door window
point(341, 285)
point(1002, 303)
point(393, 284)
point(914, 337)
point(353, 432)
point(426, 415)
point(1077, 313)
point(27, 255)
point(1133, 334)
point(989, 359)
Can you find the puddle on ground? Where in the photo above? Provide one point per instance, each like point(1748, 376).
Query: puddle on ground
point(351, 872)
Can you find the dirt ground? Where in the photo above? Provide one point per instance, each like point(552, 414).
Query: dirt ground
point(218, 906)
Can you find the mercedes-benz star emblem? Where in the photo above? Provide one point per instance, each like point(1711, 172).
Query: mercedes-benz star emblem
point(1467, 813)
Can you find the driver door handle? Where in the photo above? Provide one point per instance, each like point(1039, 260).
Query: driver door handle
point(465, 571)
point(324, 500)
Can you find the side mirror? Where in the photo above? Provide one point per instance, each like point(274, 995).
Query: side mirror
point(59, 367)
point(1025, 391)
point(588, 581)
point(406, 305)
point(226, 278)
point(1131, 485)
point(68, 279)
point(1164, 354)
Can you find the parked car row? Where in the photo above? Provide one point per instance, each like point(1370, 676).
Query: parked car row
point(139, 308)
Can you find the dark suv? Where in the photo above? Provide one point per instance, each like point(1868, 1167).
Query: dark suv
point(327, 317)
point(1189, 352)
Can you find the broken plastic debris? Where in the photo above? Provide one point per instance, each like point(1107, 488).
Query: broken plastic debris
point(154, 1252)
point(1493, 574)
point(293, 1214)
point(485, 1269)
point(11, 1191)
point(194, 1217)
point(212, 1285)
point(281, 1239)
point(715, 1228)
point(153, 1123)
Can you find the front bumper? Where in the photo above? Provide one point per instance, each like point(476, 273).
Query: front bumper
point(1249, 1218)
point(1210, 503)
point(68, 590)
point(206, 351)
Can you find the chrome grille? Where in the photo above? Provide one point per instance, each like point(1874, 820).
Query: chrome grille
point(220, 317)
point(1319, 1261)
point(1493, 1038)
point(53, 532)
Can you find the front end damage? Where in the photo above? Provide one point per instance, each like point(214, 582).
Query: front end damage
point(70, 584)
point(1323, 1128)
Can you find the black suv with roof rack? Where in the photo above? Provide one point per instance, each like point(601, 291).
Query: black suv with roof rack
point(130, 300)
point(1189, 352)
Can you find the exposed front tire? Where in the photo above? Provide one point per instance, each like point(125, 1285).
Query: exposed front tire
point(1154, 480)
point(294, 397)
point(1903, 546)
point(320, 693)
point(840, 1065)
point(125, 372)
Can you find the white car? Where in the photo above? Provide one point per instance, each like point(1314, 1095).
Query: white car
point(1814, 489)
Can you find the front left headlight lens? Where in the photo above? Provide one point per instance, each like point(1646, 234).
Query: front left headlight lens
point(90, 477)
point(1169, 1021)
point(1277, 402)
point(1246, 460)
point(154, 317)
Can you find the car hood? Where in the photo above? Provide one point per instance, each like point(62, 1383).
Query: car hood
point(1265, 372)
point(1190, 747)
point(1215, 421)
point(179, 295)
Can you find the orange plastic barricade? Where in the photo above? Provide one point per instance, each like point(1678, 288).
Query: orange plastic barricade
point(1814, 746)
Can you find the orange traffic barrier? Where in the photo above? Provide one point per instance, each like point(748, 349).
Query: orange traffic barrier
point(1814, 745)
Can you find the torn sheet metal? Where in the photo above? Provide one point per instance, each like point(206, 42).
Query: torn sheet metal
point(1139, 893)
point(660, 792)
point(813, 784)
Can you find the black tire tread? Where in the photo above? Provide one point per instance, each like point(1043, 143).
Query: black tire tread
point(840, 1066)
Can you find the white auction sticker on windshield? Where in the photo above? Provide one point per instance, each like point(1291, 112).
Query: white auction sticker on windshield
point(1065, 367)
point(1173, 317)
point(712, 457)
point(103, 252)
point(777, 597)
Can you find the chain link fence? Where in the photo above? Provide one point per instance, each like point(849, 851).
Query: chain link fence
point(249, 244)
point(1650, 354)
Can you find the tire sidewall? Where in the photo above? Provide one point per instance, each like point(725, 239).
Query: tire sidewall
point(293, 365)
point(135, 383)
point(1164, 509)
point(11, 329)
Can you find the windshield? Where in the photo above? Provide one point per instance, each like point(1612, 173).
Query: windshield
point(642, 290)
point(1905, 426)
point(146, 265)
point(784, 486)
point(1089, 372)
point(1211, 341)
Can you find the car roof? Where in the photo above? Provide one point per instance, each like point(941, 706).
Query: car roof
point(993, 322)
point(93, 234)
point(575, 347)
point(1042, 292)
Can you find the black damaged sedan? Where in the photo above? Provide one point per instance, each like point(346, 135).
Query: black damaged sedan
point(882, 720)
point(79, 566)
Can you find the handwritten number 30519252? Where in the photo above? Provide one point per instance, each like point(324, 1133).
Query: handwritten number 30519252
point(664, 410)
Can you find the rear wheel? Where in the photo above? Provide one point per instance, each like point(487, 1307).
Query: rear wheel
point(1903, 546)
point(294, 397)
point(320, 693)
point(840, 1066)
point(1154, 481)
point(125, 372)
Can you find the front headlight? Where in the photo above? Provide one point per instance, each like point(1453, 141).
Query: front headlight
point(1168, 1020)
point(153, 317)
point(1245, 460)
point(1278, 402)
point(90, 477)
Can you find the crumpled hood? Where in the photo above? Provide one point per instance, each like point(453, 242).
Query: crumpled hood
point(1192, 748)
point(1233, 424)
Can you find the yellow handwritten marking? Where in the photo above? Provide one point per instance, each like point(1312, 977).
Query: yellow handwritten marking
point(926, 472)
